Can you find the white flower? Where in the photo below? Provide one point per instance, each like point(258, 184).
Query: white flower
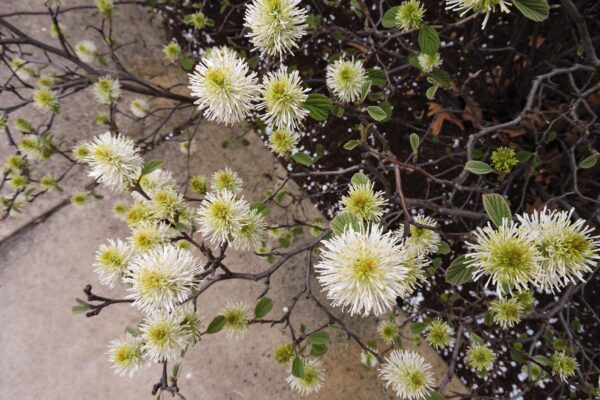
point(126, 355)
point(422, 240)
point(439, 334)
point(283, 141)
point(164, 336)
point(282, 99)
point(237, 316)
point(86, 51)
point(224, 85)
point(568, 249)
point(167, 204)
point(506, 255)
point(363, 270)
point(190, 320)
point(107, 90)
point(251, 232)
point(367, 359)
point(139, 108)
point(21, 69)
point(364, 202)
point(345, 79)
point(506, 312)
point(311, 381)
point(429, 62)
point(226, 179)
point(220, 215)
point(148, 234)
point(408, 374)
point(115, 161)
point(162, 278)
point(157, 180)
point(484, 6)
point(112, 261)
point(275, 26)
point(416, 265)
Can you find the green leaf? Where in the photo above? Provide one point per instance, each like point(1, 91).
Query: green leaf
point(429, 41)
point(187, 63)
point(360, 179)
point(303, 158)
point(364, 90)
point(80, 307)
point(351, 144)
point(337, 111)
point(459, 271)
point(414, 141)
point(389, 18)
point(342, 222)
point(320, 337)
point(430, 93)
point(151, 166)
point(542, 360)
point(417, 328)
point(478, 167)
point(317, 350)
point(443, 248)
point(216, 324)
point(588, 162)
point(496, 208)
point(377, 77)
point(440, 77)
point(413, 60)
point(318, 106)
point(536, 10)
point(436, 396)
point(263, 307)
point(377, 113)
point(298, 367)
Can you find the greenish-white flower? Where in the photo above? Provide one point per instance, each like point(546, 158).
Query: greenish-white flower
point(162, 278)
point(112, 261)
point(164, 336)
point(409, 15)
point(237, 317)
point(284, 353)
point(388, 330)
point(563, 365)
point(311, 381)
point(345, 79)
point(363, 270)
point(107, 90)
point(126, 355)
point(568, 249)
point(45, 100)
point(167, 204)
point(364, 202)
point(282, 100)
point(408, 374)
point(220, 215)
point(21, 69)
point(139, 108)
point(199, 184)
point(138, 213)
point(105, 6)
point(368, 359)
point(226, 179)
point(86, 50)
point(46, 81)
point(37, 147)
point(480, 357)
point(506, 312)
point(283, 141)
point(429, 62)
point(275, 26)
point(148, 235)
point(190, 321)
point(224, 85)
point(483, 6)
point(251, 232)
point(439, 334)
point(80, 199)
point(423, 239)
point(172, 51)
point(157, 180)
point(197, 19)
point(507, 256)
point(114, 161)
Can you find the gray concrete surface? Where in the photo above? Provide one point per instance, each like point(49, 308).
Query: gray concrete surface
point(46, 352)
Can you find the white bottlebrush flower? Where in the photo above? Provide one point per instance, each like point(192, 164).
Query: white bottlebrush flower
point(282, 99)
point(220, 215)
point(568, 249)
point(138, 213)
point(114, 160)
point(409, 15)
point(311, 381)
point(157, 180)
point(164, 336)
point(251, 232)
point(237, 317)
point(416, 265)
point(112, 261)
point(224, 85)
point(439, 334)
point(368, 359)
point(107, 90)
point(408, 374)
point(139, 108)
point(345, 79)
point(388, 330)
point(506, 312)
point(364, 202)
point(21, 69)
point(226, 179)
point(422, 240)
point(429, 62)
point(190, 321)
point(363, 270)
point(283, 141)
point(484, 6)
point(148, 234)
point(126, 355)
point(167, 204)
point(45, 100)
point(480, 357)
point(162, 278)
point(275, 26)
point(507, 256)
point(86, 51)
